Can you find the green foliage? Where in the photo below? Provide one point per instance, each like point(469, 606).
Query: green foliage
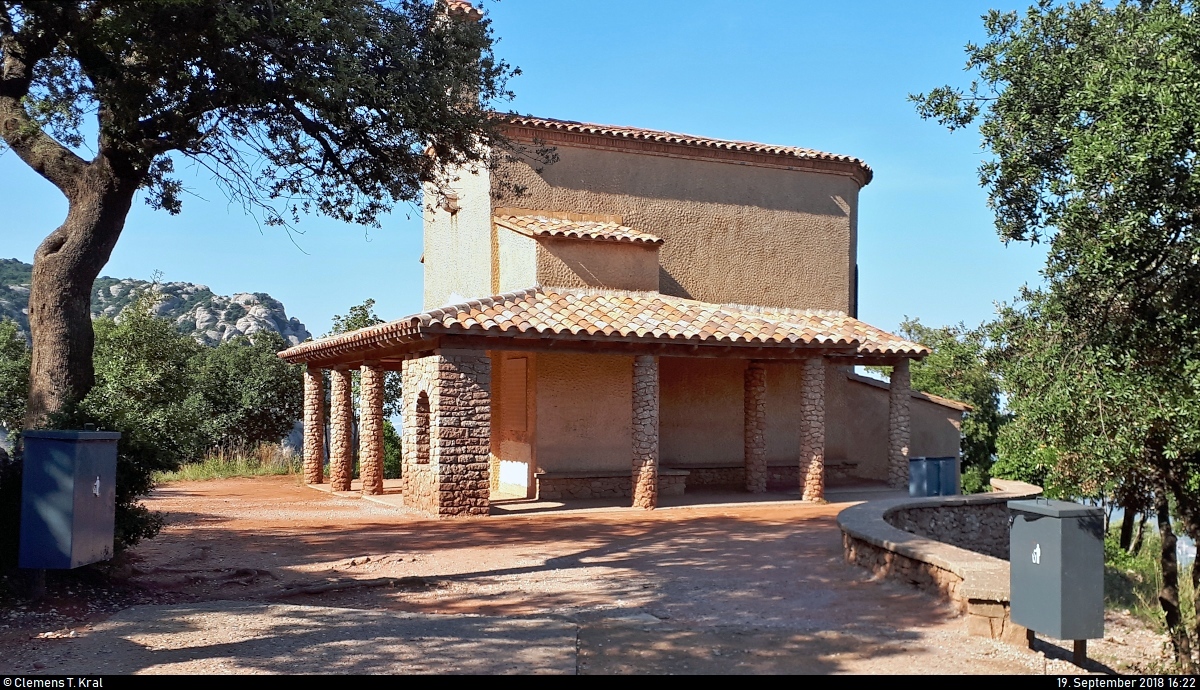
point(263, 459)
point(1132, 581)
point(1090, 112)
point(360, 316)
point(363, 316)
point(171, 398)
point(370, 86)
point(14, 376)
point(391, 451)
point(143, 391)
point(15, 272)
point(248, 394)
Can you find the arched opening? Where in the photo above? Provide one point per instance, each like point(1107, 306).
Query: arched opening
point(423, 428)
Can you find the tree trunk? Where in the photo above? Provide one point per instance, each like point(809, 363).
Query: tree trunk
point(1127, 519)
point(1136, 547)
point(60, 299)
point(1168, 596)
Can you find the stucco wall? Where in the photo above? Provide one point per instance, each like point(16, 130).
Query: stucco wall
point(701, 411)
point(783, 413)
point(516, 262)
point(934, 428)
point(733, 233)
point(584, 412)
point(582, 263)
point(458, 247)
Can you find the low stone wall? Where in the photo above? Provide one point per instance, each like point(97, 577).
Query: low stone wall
point(781, 477)
point(974, 526)
point(975, 583)
point(556, 486)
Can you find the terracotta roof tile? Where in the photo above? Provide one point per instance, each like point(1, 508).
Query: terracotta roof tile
point(464, 8)
point(639, 316)
point(545, 226)
point(618, 132)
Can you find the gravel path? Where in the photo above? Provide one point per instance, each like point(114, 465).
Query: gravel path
point(745, 588)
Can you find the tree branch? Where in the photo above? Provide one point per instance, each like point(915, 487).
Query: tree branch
point(22, 50)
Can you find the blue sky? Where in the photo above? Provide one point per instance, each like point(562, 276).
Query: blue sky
point(831, 76)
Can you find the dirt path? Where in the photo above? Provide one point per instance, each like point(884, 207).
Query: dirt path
point(731, 588)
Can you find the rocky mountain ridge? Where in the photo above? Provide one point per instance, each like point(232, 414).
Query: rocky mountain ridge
point(194, 309)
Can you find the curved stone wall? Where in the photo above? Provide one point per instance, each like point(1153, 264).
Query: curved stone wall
point(973, 581)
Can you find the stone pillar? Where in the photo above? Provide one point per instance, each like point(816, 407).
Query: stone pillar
point(370, 430)
point(645, 431)
point(341, 423)
point(754, 437)
point(812, 430)
point(899, 399)
point(447, 433)
point(314, 426)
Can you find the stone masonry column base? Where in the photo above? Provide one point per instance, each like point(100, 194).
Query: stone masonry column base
point(370, 432)
point(645, 431)
point(755, 438)
point(812, 430)
point(341, 421)
point(899, 399)
point(447, 433)
point(314, 426)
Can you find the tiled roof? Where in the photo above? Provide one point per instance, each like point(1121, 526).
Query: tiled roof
point(871, 340)
point(463, 7)
point(687, 140)
point(920, 395)
point(599, 315)
point(544, 226)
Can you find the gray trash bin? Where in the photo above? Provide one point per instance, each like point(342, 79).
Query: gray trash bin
point(933, 476)
point(1056, 568)
point(68, 498)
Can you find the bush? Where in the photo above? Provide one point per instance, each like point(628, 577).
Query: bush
point(1132, 581)
point(14, 376)
point(249, 395)
point(391, 451)
point(237, 461)
point(171, 398)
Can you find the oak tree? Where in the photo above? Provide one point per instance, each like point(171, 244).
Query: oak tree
point(336, 107)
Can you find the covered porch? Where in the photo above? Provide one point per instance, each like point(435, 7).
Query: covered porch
point(554, 394)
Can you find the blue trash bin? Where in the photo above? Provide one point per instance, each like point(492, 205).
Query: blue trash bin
point(68, 498)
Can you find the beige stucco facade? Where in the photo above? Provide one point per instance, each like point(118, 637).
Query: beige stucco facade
point(652, 313)
point(731, 233)
point(578, 412)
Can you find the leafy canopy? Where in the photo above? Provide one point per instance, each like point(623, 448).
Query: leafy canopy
point(293, 105)
point(1092, 115)
point(14, 376)
point(363, 316)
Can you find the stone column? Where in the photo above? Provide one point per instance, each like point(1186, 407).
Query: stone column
point(899, 399)
point(447, 433)
point(645, 431)
point(812, 430)
point(314, 426)
point(754, 437)
point(370, 430)
point(461, 432)
point(341, 422)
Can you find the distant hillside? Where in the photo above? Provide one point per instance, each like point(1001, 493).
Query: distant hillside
point(194, 309)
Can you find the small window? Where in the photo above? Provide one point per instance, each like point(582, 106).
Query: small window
point(423, 428)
